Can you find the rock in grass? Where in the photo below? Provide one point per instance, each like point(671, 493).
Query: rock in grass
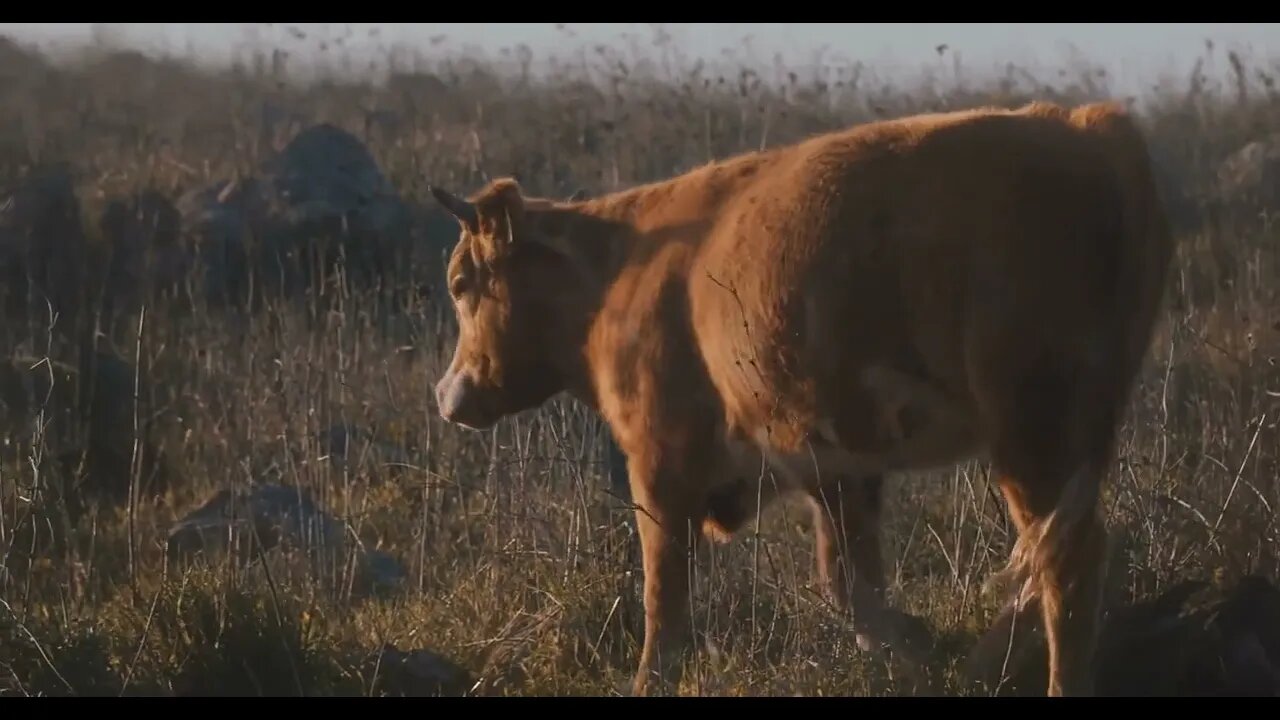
point(252, 522)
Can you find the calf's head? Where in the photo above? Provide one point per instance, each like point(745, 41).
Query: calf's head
point(520, 318)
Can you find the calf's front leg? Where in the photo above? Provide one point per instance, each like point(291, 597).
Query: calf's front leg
point(665, 520)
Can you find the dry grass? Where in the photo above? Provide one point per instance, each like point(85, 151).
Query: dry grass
point(519, 564)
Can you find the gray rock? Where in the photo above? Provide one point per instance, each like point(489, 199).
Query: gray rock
point(321, 203)
point(421, 673)
point(319, 206)
point(250, 523)
point(84, 415)
point(221, 225)
point(42, 257)
point(326, 171)
point(1192, 640)
point(146, 262)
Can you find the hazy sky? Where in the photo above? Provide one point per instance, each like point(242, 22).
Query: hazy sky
point(1132, 52)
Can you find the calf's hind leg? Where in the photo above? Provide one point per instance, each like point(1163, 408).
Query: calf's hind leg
point(1055, 438)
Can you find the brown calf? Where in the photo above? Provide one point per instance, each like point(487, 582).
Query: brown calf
point(896, 296)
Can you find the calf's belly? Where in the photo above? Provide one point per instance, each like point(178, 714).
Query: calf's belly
point(894, 422)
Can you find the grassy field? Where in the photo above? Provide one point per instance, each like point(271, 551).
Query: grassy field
point(518, 563)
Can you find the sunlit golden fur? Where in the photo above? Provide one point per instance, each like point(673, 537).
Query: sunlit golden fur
point(894, 296)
